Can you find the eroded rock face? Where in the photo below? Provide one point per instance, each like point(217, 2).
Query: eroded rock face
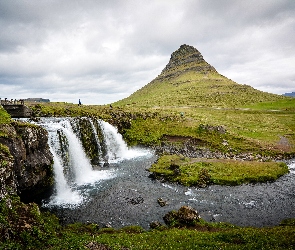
point(185, 216)
point(186, 58)
point(29, 171)
point(7, 176)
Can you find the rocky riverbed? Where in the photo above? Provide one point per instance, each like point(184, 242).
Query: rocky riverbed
point(132, 198)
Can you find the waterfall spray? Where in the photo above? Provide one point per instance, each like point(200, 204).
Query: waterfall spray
point(72, 168)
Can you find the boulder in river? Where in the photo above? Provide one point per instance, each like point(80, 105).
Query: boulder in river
point(185, 216)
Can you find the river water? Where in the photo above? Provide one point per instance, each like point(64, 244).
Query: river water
point(121, 193)
point(130, 198)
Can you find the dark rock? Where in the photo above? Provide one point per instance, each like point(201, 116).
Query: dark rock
point(162, 202)
point(185, 216)
point(18, 111)
point(188, 215)
point(136, 201)
point(32, 172)
point(155, 224)
point(97, 246)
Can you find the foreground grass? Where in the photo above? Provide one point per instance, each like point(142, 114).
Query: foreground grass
point(202, 172)
point(240, 238)
point(24, 227)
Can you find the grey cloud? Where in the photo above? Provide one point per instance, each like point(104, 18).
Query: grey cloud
point(109, 49)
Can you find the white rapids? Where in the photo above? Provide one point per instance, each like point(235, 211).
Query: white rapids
point(72, 168)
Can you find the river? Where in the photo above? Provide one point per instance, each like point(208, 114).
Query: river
point(121, 193)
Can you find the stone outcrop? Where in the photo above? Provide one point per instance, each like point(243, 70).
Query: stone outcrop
point(186, 58)
point(7, 177)
point(26, 161)
point(18, 110)
point(185, 216)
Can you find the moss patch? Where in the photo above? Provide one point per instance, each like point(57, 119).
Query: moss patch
point(202, 172)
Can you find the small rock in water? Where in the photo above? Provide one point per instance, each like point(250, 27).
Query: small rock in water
point(185, 216)
point(162, 202)
point(137, 200)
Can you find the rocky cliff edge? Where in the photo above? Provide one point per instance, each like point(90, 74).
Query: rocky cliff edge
point(26, 163)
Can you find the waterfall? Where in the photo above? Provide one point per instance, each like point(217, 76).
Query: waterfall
point(64, 194)
point(78, 160)
point(73, 170)
point(116, 147)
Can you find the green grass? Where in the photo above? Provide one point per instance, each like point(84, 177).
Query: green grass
point(24, 227)
point(281, 237)
point(250, 130)
point(287, 104)
point(190, 172)
point(63, 109)
point(4, 116)
point(197, 89)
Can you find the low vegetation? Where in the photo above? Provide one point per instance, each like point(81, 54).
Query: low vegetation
point(4, 116)
point(192, 89)
point(202, 172)
point(247, 130)
point(25, 227)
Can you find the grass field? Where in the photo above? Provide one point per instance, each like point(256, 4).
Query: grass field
point(30, 229)
point(256, 129)
point(202, 172)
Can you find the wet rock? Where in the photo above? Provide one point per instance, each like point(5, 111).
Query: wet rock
point(155, 224)
point(185, 216)
point(136, 201)
point(31, 175)
point(162, 202)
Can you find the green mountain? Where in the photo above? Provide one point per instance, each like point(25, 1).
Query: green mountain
point(188, 80)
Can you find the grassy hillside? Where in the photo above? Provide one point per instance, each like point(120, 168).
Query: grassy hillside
point(188, 80)
point(196, 89)
point(189, 93)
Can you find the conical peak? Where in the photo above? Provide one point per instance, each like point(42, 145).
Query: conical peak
point(186, 53)
point(186, 58)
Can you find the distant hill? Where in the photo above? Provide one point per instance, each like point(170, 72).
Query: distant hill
point(290, 94)
point(37, 100)
point(188, 80)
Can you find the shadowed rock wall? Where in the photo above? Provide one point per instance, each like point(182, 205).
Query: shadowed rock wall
point(25, 162)
point(18, 110)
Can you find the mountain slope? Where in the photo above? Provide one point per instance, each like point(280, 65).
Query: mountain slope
point(188, 80)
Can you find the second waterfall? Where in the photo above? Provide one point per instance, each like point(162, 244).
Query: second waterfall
point(80, 148)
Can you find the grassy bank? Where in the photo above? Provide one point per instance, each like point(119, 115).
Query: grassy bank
point(202, 172)
point(24, 227)
point(4, 116)
point(258, 130)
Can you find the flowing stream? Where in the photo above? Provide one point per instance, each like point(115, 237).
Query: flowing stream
point(118, 191)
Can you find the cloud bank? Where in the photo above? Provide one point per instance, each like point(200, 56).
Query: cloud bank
point(102, 51)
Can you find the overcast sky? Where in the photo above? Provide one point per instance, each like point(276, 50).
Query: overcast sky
point(103, 50)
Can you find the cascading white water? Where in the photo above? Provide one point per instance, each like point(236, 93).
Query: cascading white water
point(78, 160)
point(64, 194)
point(72, 168)
point(96, 137)
point(116, 147)
point(83, 174)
